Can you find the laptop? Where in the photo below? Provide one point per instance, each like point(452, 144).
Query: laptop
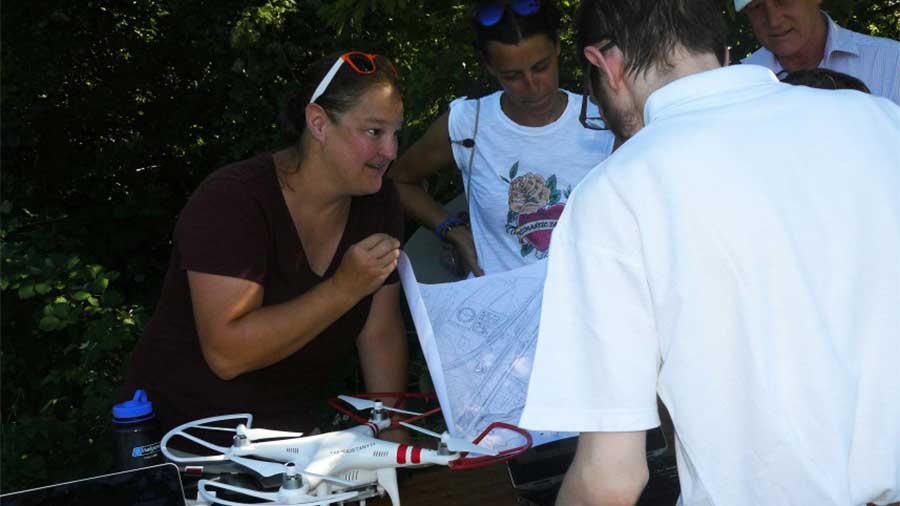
point(158, 485)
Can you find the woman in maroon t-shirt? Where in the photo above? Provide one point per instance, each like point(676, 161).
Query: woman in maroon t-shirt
point(281, 263)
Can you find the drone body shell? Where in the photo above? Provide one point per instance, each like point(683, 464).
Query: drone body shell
point(354, 457)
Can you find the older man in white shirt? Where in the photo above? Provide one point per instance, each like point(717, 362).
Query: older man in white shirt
point(796, 35)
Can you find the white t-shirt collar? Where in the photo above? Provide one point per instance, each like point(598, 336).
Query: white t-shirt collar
point(573, 108)
point(684, 93)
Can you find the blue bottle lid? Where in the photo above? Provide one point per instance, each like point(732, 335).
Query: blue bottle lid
point(136, 407)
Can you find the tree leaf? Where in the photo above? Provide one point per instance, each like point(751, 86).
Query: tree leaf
point(26, 291)
point(61, 310)
point(81, 295)
point(100, 284)
point(42, 288)
point(49, 323)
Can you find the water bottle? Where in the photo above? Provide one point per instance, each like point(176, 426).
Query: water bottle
point(136, 433)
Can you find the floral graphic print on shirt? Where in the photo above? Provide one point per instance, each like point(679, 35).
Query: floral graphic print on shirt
point(534, 209)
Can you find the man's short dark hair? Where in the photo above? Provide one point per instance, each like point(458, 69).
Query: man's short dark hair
point(648, 30)
point(825, 79)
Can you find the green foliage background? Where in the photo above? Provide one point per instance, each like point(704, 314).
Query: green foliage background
point(112, 112)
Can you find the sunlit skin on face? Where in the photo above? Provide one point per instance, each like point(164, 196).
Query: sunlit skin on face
point(794, 30)
point(528, 72)
point(621, 121)
point(616, 104)
point(365, 143)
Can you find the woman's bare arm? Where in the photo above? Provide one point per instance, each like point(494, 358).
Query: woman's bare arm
point(238, 334)
point(424, 158)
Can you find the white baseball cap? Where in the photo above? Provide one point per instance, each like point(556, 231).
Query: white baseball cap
point(740, 4)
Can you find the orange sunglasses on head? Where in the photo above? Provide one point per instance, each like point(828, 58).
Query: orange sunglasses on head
point(361, 63)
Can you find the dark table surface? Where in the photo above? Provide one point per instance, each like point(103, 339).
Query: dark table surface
point(440, 486)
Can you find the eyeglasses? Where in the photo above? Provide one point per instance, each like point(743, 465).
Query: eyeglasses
point(592, 122)
point(490, 13)
point(361, 63)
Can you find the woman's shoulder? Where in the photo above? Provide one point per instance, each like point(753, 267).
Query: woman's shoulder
point(240, 185)
point(249, 171)
point(465, 110)
point(466, 104)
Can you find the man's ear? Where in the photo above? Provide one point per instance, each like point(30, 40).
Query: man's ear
point(316, 121)
point(611, 64)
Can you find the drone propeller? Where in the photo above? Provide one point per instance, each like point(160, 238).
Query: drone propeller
point(212, 427)
point(362, 404)
point(453, 444)
point(280, 497)
point(262, 467)
point(267, 469)
point(182, 431)
point(251, 434)
point(257, 434)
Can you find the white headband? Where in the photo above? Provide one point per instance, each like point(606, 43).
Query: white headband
point(323, 85)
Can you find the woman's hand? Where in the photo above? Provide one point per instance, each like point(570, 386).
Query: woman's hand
point(461, 238)
point(367, 264)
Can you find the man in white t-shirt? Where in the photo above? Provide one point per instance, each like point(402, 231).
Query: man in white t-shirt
point(733, 257)
point(796, 35)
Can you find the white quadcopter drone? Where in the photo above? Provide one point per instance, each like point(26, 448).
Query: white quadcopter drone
point(343, 466)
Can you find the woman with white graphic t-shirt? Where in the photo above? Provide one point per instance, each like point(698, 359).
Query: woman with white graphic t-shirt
point(520, 150)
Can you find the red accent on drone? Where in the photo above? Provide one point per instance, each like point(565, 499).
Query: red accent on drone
point(467, 462)
point(416, 455)
point(401, 454)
